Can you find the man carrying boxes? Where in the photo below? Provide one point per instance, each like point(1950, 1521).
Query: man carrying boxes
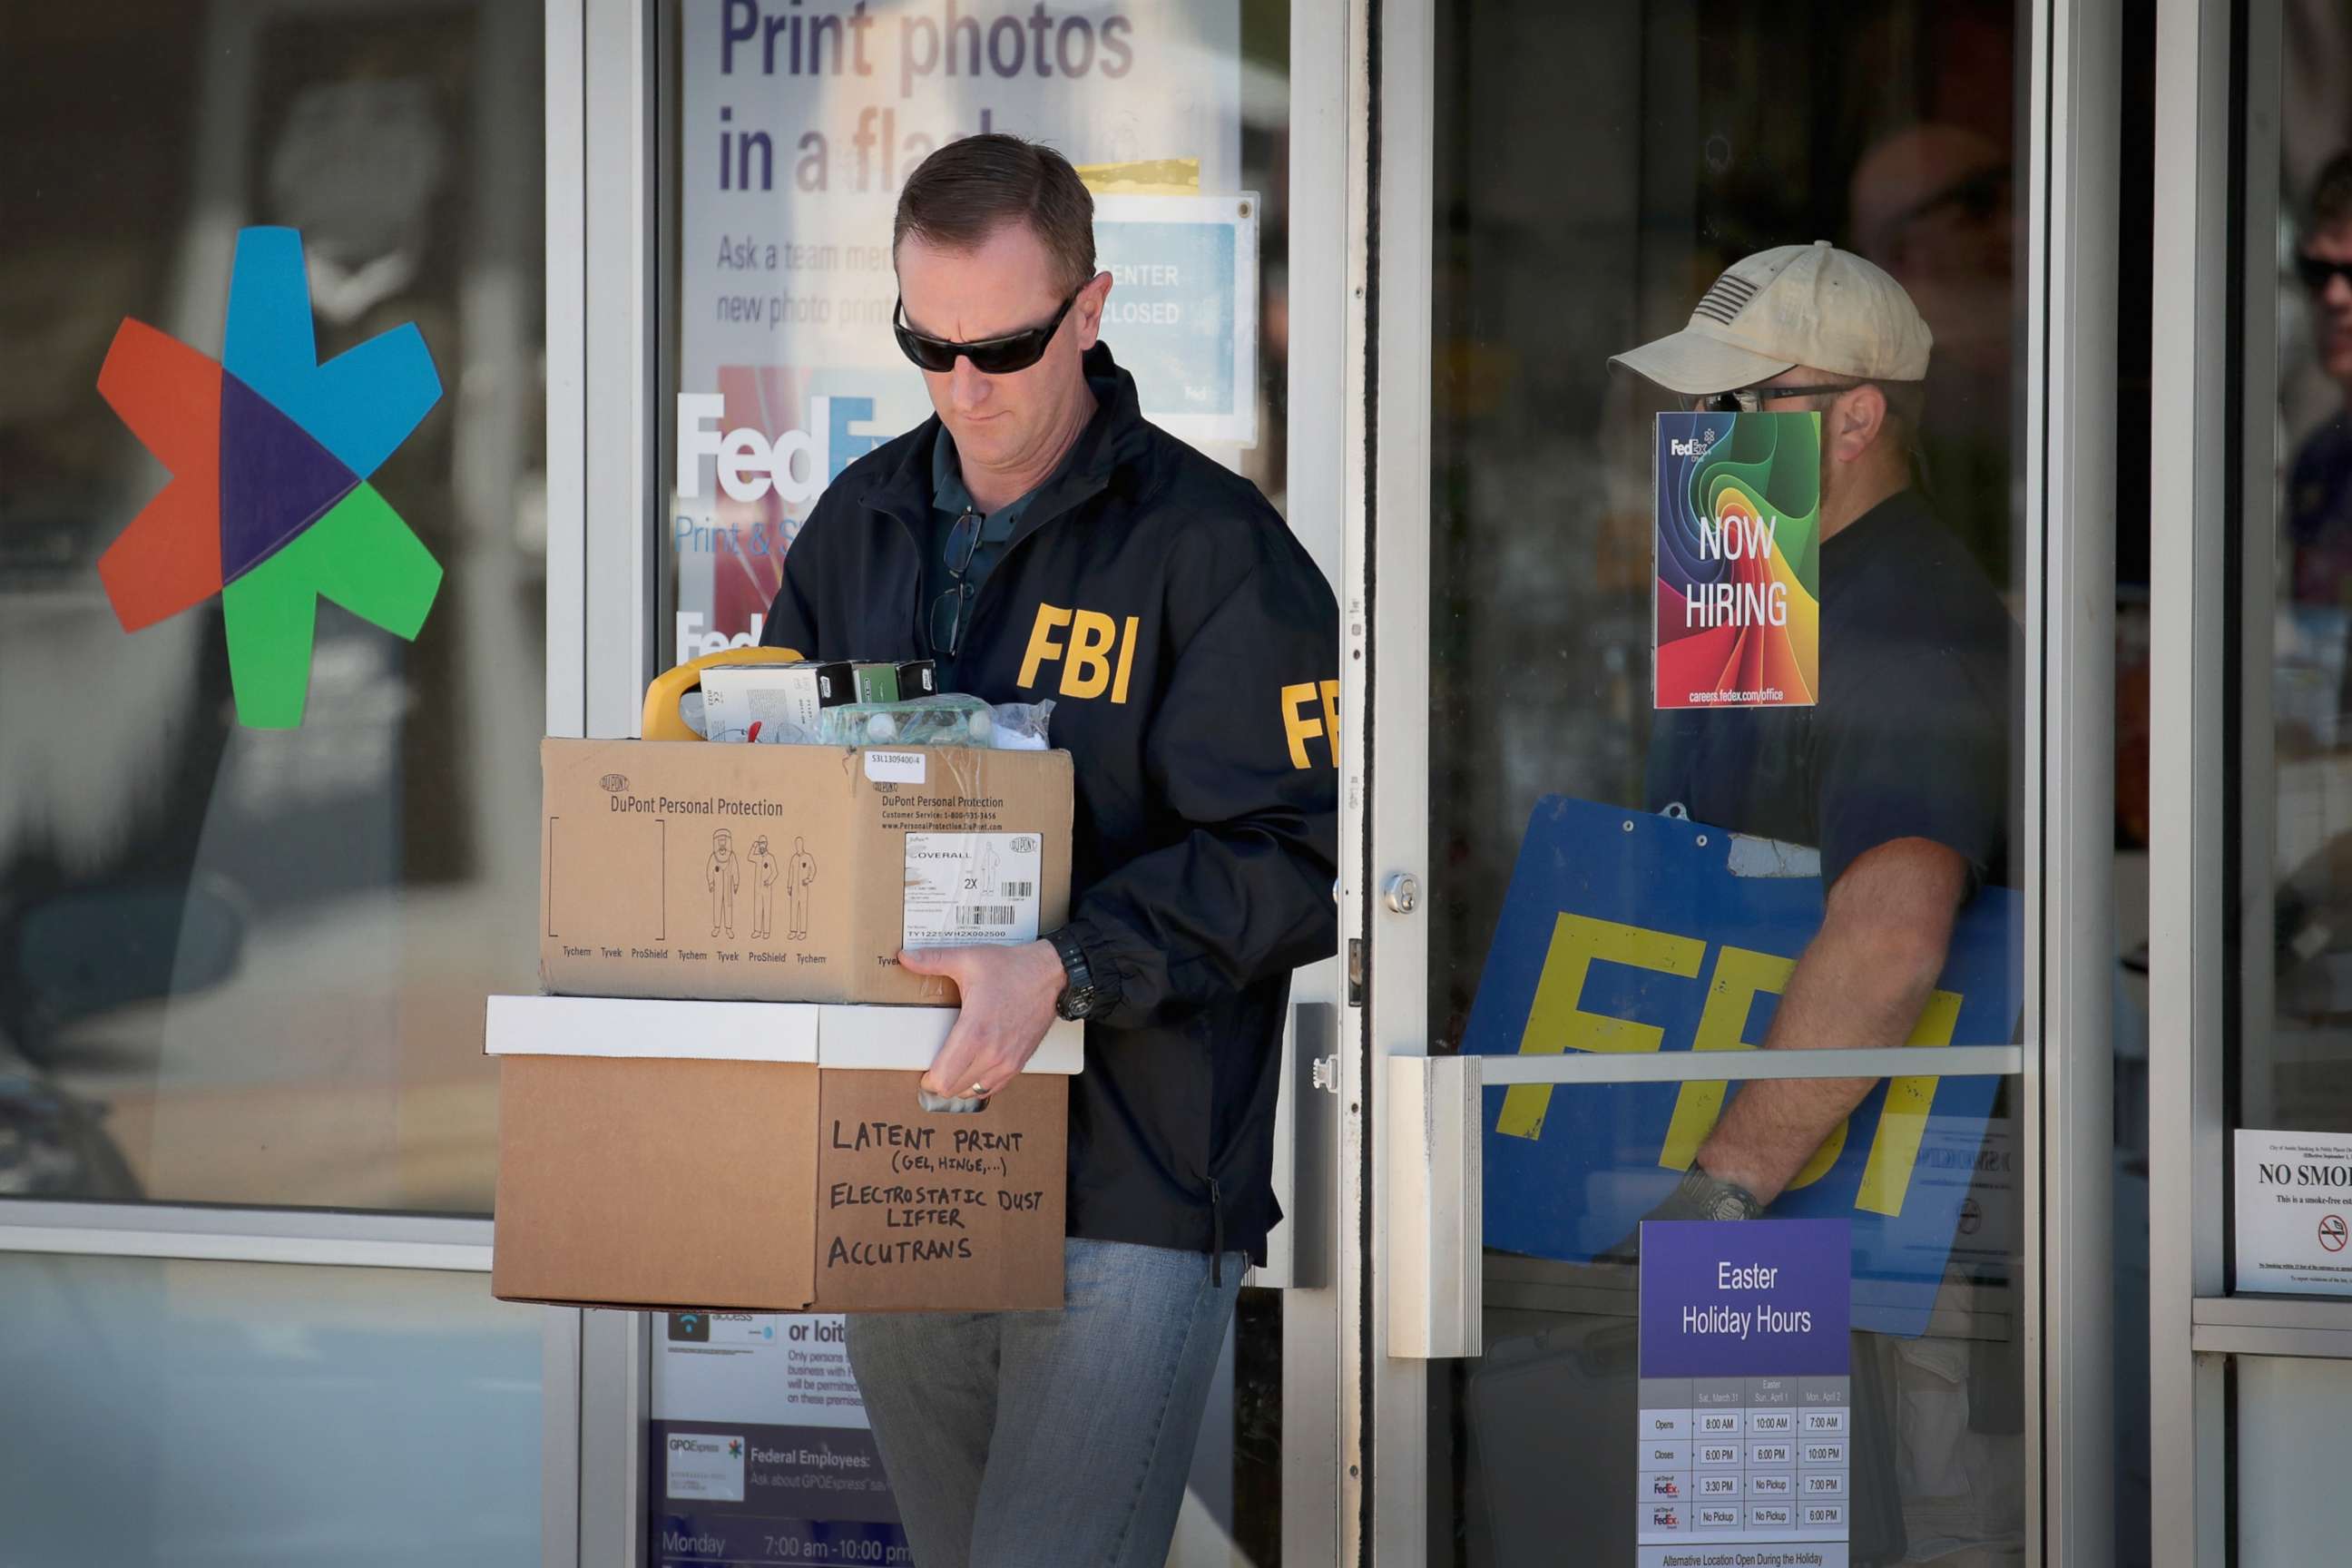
point(1039, 540)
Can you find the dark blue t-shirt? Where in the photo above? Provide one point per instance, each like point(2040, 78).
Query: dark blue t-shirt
point(2319, 516)
point(1912, 736)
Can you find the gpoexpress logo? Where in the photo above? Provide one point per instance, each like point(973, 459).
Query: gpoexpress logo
point(706, 1465)
point(269, 504)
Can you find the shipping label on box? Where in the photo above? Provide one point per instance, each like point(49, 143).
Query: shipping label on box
point(967, 888)
point(791, 873)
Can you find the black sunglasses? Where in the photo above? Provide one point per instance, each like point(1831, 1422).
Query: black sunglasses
point(963, 540)
point(990, 356)
point(2317, 272)
point(1750, 399)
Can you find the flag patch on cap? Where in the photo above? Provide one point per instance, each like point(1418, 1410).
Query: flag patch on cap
point(1726, 300)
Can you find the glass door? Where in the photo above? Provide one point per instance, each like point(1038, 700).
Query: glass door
point(2251, 1320)
point(742, 160)
point(1701, 735)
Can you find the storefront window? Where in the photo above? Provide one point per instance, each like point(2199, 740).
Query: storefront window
point(2290, 1084)
point(164, 1411)
point(1633, 853)
point(2287, 1413)
point(245, 927)
point(792, 134)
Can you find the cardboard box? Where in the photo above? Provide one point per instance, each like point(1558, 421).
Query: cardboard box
point(767, 1157)
point(684, 869)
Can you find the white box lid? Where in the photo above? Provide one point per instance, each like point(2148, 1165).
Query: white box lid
point(830, 1035)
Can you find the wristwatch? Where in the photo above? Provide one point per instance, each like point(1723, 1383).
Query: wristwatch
point(1702, 1196)
point(1084, 996)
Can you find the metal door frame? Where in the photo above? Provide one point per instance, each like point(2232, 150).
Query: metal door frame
point(2071, 137)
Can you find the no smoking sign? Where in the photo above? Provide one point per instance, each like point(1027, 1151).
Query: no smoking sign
point(2332, 1233)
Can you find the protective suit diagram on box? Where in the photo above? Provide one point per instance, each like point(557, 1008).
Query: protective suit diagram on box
point(722, 875)
point(796, 889)
point(763, 886)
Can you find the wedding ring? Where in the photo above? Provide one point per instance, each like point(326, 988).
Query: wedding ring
point(979, 1091)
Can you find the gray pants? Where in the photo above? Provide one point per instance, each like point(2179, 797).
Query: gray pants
point(1049, 1439)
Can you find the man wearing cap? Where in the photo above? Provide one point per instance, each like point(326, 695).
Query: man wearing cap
point(1900, 775)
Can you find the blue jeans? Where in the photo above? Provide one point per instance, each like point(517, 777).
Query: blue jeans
point(1049, 1439)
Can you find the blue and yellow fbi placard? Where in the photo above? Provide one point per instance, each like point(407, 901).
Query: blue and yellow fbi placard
point(1628, 931)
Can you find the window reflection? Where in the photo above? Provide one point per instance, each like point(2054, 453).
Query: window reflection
point(2296, 1070)
point(163, 1411)
point(244, 966)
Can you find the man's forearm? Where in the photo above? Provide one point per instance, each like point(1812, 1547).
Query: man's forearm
point(1862, 981)
point(1834, 999)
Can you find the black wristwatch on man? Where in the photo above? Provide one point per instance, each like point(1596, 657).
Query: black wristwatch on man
point(1087, 994)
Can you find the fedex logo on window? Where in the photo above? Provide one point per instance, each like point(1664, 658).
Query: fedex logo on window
point(270, 503)
point(795, 464)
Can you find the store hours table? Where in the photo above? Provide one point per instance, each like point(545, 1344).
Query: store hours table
point(1745, 1455)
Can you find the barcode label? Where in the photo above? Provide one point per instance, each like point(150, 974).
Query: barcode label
point(964, 887)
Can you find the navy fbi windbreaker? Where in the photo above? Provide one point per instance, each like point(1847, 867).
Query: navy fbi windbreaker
point(1191, 649)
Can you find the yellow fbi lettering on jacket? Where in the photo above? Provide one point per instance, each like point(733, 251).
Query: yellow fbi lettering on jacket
point(1311, 709)
point(1097, 653)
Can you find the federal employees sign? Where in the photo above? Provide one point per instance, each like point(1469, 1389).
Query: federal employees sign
point(757, 1447)
point(2295, 1211)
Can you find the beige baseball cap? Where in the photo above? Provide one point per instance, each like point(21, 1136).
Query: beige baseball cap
point(1797, 304)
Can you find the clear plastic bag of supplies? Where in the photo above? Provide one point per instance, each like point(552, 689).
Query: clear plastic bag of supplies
point(1022, 726)
point(948, 720)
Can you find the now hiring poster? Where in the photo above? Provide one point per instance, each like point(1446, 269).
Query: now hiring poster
point(1739, 551)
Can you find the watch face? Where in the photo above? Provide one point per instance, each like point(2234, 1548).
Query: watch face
point(1726, 1204)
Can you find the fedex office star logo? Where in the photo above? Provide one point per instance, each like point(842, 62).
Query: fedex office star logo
point(269, 503)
